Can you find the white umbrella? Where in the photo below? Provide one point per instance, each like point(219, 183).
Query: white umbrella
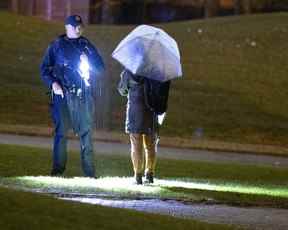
point(150, 52)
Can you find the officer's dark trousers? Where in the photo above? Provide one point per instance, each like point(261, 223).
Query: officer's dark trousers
point(77, 113)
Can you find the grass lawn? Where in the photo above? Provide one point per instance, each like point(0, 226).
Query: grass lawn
point(233, 89)
point(24, 167)
point(25, 210)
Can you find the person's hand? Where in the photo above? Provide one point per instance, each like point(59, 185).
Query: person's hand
point(57, 89)
point(160, 118)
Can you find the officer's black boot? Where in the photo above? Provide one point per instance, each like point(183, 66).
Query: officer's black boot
point(56, 173)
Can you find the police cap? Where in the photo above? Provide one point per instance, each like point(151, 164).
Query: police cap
point(73, 20)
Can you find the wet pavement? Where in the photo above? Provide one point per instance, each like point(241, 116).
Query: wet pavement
point(255, 218)
point(113, 148)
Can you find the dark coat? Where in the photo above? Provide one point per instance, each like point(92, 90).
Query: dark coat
point(139, 118)
point(61, 61)
point(61, 64)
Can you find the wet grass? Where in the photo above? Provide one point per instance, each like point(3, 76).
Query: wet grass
point(22, 210)
point(187, 180)
point(234, 85)
point(211, 192)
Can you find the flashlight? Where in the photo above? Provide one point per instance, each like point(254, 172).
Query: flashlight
point(84, 69)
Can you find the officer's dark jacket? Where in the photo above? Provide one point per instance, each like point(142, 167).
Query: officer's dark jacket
point(61, 62)
point(139, 118)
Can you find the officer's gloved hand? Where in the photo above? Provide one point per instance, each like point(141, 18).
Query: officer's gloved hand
point(57, 89)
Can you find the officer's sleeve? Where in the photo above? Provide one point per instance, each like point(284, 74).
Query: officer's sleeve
point(96, 61)
point(47, 66)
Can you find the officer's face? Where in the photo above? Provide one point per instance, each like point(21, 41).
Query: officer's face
point(74, 32)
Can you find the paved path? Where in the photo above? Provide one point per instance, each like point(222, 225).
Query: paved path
point(171, 153)
point(251, 218)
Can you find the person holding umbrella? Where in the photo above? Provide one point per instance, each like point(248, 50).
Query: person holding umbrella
point(151, 59)
point(69, 69)
point(141, 125)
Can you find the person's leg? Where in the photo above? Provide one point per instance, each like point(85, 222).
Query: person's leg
point(150, 156)
point(136, 141)
point(87, 155)
point(61, 119)
point(84, 121)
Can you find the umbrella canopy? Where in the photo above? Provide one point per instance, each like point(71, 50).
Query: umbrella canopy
point(150, 52)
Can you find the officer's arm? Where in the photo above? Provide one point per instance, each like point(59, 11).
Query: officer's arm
point(47, 66)
point(97, 65)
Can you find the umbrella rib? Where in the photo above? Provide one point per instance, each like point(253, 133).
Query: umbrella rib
point(130, 40)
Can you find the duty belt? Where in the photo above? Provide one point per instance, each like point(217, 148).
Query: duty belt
point(74, 90)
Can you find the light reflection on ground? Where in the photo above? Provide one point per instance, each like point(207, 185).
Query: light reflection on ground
point(86, 190)
point(105, 183)
point(256, 218)
point(126, 184)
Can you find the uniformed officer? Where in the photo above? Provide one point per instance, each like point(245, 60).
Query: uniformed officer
point(70, 68)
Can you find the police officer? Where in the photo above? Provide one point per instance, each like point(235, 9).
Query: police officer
point(70, 68)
